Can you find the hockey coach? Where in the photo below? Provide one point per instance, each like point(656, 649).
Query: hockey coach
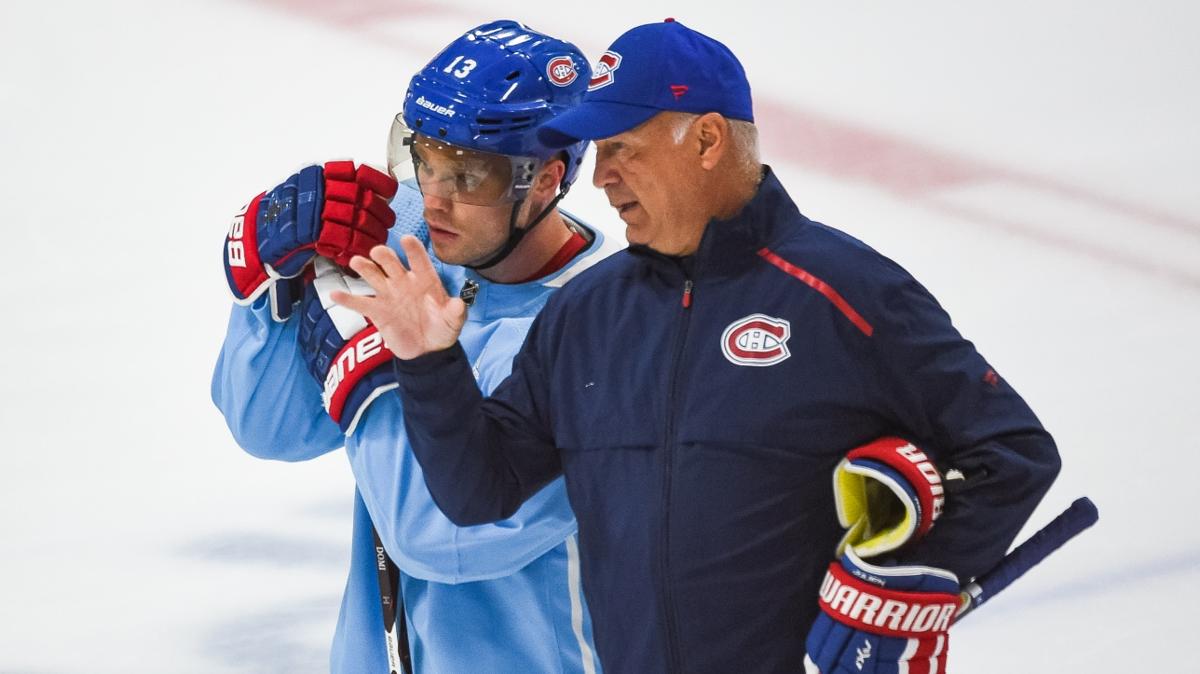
point(741, 397)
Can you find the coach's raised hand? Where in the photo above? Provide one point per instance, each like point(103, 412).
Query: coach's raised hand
point(410, 308)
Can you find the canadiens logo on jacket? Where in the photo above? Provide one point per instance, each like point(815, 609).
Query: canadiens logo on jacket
point(757, 340)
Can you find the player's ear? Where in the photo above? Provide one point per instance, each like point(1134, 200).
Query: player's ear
point(550, 176)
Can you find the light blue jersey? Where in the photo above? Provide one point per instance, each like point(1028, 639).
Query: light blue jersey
point(503, 597)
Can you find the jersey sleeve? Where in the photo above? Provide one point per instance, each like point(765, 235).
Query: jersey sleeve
point(270, 402)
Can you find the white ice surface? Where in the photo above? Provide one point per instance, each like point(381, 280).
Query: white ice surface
point(1063, 236)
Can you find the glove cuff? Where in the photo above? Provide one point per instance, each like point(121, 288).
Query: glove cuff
point(870, 479)
point(362, 360)
point(244, 270)
point(871, 608)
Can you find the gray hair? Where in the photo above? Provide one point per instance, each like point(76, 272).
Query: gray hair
point(743, 137)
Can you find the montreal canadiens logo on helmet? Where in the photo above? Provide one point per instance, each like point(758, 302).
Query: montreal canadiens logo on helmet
point(561, 71)
point(602, 74)
point(756, 340)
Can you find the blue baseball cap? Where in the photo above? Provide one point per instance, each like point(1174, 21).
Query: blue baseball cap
point(650, 69)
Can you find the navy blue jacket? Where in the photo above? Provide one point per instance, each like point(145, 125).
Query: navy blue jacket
point(697, 408)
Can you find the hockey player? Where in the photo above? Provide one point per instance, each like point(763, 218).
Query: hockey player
point(298, 379)
point(699, 390)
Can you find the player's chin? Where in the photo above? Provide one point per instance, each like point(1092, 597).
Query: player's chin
point(447, 251)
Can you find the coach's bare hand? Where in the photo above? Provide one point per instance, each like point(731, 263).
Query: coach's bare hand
point(412, 310)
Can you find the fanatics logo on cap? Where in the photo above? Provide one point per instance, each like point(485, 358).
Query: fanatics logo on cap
point(602, 75)
point(561, 71)
point(756, 341)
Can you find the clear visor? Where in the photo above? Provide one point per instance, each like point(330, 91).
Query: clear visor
point(456, 173)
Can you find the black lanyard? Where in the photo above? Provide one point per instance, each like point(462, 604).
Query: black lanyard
point(395, 626)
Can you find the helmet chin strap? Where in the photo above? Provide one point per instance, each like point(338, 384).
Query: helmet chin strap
point(514, 234)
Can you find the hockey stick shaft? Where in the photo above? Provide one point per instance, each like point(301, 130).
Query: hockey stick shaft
point(1071, 522)
point(395, 628)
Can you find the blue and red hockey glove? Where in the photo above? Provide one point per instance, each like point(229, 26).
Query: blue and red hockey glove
point(344, 352)
point(888, 493)
point(883, 618)
point(335, 211)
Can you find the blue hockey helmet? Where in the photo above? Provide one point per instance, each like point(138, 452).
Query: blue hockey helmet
point(488, 91)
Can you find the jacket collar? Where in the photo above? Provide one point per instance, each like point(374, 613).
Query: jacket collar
point(728, 246)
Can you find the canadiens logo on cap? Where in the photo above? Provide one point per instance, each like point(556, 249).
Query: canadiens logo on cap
point(561, 71)
point(602, 74)
point(756, 341)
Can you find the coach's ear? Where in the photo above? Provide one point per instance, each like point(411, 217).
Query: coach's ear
point(712, 130)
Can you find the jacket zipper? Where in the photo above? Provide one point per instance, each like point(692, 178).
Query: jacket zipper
point(673, 657)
